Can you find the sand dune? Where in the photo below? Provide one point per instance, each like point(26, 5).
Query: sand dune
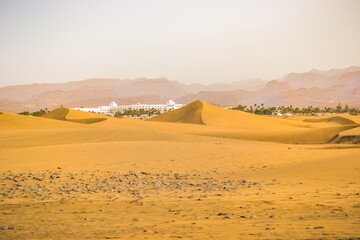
point(11, 121)
point(192, 113)
point(348, 136)
point(336, 119)
point(226, 123)
point(200, 112)
point(289, 136)
point(65, 114)
point(355, 118)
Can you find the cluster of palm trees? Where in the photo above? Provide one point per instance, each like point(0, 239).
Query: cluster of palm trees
point(257, 109)
point(311, 110)
point(137, 112)
point(39, 113)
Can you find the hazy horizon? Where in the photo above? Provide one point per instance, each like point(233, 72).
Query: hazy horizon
point(187, 83)
point(202, 42)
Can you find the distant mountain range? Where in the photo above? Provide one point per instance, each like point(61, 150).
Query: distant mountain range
point(316, 88)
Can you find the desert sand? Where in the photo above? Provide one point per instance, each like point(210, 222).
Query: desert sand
point(200, 172)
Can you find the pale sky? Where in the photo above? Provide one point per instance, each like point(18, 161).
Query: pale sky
point(195, 41)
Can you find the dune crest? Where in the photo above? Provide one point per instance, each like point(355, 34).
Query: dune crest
point(337, 119)
point(191, 113)
point(65, 114)
point(200, 112)
point(351, 136)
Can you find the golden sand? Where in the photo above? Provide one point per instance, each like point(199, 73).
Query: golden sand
point(200, 172)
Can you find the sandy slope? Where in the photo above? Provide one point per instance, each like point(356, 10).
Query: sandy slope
point(349, 136)
point(200, 172)
point(11, 121)
point(65, 114)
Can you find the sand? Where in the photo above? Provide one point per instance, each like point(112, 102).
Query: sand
point(201, 172)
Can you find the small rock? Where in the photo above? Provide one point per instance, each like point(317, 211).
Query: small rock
point(223, 214)
point(269, 228)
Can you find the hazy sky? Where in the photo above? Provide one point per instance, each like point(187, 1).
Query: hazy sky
point(190, 41)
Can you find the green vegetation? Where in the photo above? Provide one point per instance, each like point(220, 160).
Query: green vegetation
point(39, 113)
point(137, 113)
point(261, 110)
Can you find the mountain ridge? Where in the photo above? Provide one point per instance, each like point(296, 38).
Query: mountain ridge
point(317, 88)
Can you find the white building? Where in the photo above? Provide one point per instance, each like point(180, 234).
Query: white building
point(113, 107)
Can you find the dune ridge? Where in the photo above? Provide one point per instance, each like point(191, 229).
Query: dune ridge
point(191, 113)
point(337, 119)
point(351, 136)
point(66, 114)
point(226, 123)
